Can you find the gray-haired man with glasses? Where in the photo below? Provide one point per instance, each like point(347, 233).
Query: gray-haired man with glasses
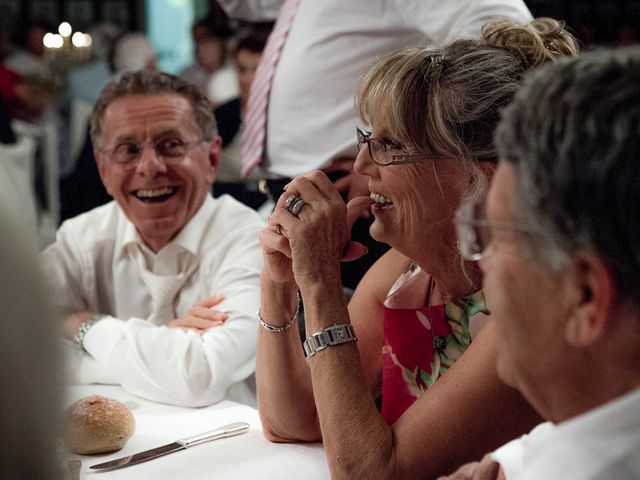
point(159, 289)
point(559, 245)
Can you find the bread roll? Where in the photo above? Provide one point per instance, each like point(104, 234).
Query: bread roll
point(97, 424)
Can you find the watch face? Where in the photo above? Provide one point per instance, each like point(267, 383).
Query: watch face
point(334, 335)
point(341, 335)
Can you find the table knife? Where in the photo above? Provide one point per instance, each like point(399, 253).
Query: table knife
point(226, 431)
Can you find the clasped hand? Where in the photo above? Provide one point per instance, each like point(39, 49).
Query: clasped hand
point(309, 246)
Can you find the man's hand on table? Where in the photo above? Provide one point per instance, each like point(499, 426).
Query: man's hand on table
point(201, 317)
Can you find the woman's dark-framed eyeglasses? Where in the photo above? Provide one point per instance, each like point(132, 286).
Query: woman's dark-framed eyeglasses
point(474, 230)
point(386, 152)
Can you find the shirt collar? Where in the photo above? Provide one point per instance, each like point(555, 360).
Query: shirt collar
point(616, 416)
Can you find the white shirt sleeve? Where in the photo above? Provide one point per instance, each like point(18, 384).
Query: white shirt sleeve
point(181, 367)
point(167, 365)
point(177, 366)
point(252, 10)
point(446, 22)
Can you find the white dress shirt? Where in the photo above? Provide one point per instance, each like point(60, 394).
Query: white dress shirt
point(90, 267)
point(603, 443)
point(331, 43)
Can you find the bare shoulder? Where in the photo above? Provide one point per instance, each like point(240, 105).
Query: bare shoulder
point(366, 313)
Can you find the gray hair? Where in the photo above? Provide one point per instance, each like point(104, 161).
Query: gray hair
point(573, 137)
point(146, 82)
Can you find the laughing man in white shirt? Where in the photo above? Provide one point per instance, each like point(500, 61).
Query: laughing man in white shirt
point(560, 250)
point(137, 279)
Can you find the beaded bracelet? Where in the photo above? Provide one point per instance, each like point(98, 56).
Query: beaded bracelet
point(279, 329)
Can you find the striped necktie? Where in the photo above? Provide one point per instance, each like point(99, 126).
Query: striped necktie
point(255, 121)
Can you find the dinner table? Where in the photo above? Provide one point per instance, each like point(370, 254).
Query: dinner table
point(246, 456)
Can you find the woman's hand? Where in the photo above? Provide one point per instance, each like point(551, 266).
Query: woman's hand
point(276, 252)
point(318, 236)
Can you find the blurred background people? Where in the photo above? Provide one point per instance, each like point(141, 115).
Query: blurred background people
point(84, 85)
point(29, 57)
point(133, 51)
point(212, 71)
point(199, 71)
point(222, 85)
point(246, 52)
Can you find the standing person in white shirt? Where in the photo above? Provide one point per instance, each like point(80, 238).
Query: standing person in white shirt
point(559, 247)
point(136, 279)
point(329, 45)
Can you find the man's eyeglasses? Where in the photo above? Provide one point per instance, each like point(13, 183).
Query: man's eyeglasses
point(474, 230)
point(171, 150)
point(386, 152)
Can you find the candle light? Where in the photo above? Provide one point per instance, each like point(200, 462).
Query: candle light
point(67, 48)
point(64, 29)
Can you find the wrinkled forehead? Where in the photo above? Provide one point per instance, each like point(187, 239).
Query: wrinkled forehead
point(148, 116)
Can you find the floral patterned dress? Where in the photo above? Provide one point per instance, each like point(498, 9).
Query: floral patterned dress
point(421, 342)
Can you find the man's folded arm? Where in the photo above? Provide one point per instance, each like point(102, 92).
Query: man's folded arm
point(179, 366)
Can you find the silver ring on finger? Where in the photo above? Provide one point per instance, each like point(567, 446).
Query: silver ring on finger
point(291, 199)
point(297, 206)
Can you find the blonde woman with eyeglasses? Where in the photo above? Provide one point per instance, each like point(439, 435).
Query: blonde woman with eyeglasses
point(417, 315)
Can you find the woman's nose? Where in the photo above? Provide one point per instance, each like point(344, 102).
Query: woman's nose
point(364, 164)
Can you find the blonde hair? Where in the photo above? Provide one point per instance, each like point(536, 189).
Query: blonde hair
point(446, 101)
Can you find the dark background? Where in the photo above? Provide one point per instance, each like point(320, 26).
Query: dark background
point(603, 22)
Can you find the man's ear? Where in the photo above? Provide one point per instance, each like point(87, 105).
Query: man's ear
point(102, 169)
point(595, 295)
point(488, 168)
point(215, 158)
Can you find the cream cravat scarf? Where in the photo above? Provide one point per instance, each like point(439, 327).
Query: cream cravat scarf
point(162, 288)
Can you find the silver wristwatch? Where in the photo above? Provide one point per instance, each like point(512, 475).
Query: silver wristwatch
point(330, 336)
point(84, 328)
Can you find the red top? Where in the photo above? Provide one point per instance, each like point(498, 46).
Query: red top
point(421, 342)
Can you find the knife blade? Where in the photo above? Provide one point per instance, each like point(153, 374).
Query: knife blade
point(223, 432)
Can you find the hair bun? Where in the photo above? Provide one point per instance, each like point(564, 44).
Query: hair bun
point(539, 41)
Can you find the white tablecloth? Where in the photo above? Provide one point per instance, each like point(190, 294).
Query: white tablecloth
point(246, 456)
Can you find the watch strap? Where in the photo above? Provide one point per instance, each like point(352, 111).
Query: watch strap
point(329, 337)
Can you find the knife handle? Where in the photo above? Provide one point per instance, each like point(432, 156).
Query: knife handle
point(222, 432)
